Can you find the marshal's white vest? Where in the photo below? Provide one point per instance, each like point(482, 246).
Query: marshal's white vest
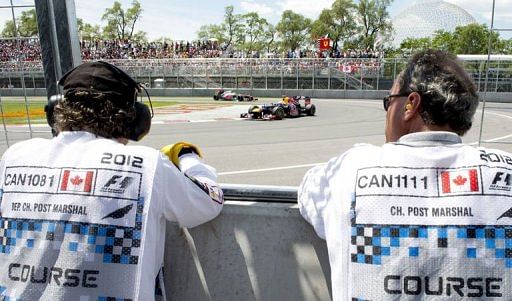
point(426, 218)
point(83, 218)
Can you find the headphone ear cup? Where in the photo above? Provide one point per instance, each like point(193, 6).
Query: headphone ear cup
point(140, 126)
point(49, 109)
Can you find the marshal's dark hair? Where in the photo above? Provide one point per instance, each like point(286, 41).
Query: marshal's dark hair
point(94, 113)
point(448, 94)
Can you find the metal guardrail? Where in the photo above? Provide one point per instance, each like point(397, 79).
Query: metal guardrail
point(259, 193)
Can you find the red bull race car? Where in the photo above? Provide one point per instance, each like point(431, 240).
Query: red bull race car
point(294, 106)
point(222, 94)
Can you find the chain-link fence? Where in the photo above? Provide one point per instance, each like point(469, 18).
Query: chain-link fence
point(21, 70)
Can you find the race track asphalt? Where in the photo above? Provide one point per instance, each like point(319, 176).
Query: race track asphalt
point(279, 152)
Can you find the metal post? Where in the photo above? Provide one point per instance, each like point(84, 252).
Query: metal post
point(497, 77)
point(345, 75)
point(297, 75)
point(328, 76)
point(20, 66)
point(394, 68)
point(378, 73)
point(251, 72)
point(282, 80)
point(361, 77)
point(480, 75)
point(314, 74)
point(58, 36)
point(266, 74)
point(206, 75)
point(487, 73)
point(221, 77)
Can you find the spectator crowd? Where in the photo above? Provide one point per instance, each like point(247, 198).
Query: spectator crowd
point(29, 50)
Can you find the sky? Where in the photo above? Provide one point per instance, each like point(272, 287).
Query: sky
point(181, 19)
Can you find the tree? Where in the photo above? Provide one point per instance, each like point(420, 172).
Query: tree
point(294, 30)
point(212, 32)
point(231, 26)
point(507, 49)
point(121, 23)
point(474, 39)
point(88, 31)
point(373, 19)
point(337, 23)
point(140, 37)
point(26, 25)
point(411, 45)
point(443, 40)
point(270, 43)
point(254, 29)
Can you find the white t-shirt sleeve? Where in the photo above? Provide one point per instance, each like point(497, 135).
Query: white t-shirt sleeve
point(314, 193)
point(313, 197)
point(1, 182)
point(190, 196)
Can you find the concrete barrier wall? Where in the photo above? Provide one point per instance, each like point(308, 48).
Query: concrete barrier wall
point(329, 94)
point(252, 251)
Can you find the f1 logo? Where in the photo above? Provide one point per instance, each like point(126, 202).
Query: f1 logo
point(502, 178)
point(116, 179)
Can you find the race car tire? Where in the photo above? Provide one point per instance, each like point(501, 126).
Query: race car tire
point(215, 97)
point(240, 98)
point(310, 110)
point(278, 112)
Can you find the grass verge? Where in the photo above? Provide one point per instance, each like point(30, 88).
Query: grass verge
point(15, 112)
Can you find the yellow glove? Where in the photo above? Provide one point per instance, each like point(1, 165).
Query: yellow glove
point(174, 151)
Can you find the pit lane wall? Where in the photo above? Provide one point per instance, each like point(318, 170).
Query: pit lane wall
point(277, 93)
point(252, 251)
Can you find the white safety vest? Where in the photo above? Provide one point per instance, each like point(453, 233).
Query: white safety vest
point(426, 218)
point(83, 218)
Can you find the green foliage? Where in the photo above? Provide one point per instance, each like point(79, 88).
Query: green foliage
point(269, 40)
point(212, 32)
point(232, 26)
point(469, 39)
point(26, 25)
point(352, 25)
point(473, 39)
point(254, 28)
point(88, 31)
point(140, 37)
point(443, 40)
point(373, 19)
point(293, 30)
point(410, 45)
point(120, 22)
point(507, 47)
point(337, 23)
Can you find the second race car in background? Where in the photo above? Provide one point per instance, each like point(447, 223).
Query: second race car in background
point(222, 94)
point(295, 106)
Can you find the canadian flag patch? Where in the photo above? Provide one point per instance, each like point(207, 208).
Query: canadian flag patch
point(77, 180)
point(460, 181)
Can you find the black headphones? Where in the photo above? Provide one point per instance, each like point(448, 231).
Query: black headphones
point(137, 128)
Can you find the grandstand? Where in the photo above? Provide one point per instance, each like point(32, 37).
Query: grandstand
point(204, 65)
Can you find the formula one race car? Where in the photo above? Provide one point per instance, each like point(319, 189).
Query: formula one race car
point(221, 94)
point(294, 106)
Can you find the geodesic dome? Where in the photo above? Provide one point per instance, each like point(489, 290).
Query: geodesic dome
point(424, 18)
